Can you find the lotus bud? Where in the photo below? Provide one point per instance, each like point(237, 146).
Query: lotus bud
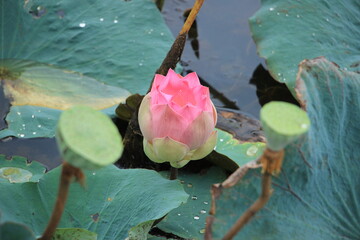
point(177, 120)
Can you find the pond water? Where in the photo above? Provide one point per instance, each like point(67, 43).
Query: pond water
point(222, 53)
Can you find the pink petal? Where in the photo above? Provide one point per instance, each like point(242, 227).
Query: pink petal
point(189, 112)
point(199, 130)
point(158, 80)
point(167, 123)
point(192, 80)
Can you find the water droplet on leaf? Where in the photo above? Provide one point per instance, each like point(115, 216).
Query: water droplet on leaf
point(252, 151)
point(82, 24)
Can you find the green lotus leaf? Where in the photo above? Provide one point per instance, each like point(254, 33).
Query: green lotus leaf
point(110, 48)
point(15, 231)
point(73, 234)
point(287, 32)
point(316, 195)
point(188, 220)
point(114, 201)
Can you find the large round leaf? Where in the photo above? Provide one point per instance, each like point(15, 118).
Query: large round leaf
point(188, 220)
point(118, 43)
point(114, 201)
point(316, 196)
point(15, 231)
point(287, 32)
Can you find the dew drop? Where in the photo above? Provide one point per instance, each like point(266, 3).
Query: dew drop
point(313, 34)
point(162, 34)
point(94, 173)
point(179, 214)
point(278, 13)
point(182, 181)
point(101, 19)
point(303, 125)
point(194, 197)
point(115, 21)
point(252, 151)
point(140, 64)
point(18, 113)
point(82, 24)
point(279, 74)
point(33, 133)
point(196, 217)
point(327, 20)
point(221, 140)
point(23, 125)
point(271, 9)
point(33, 116)
point(21, 135)
point(202, 211)
point(286, 15)
point(189, 185)
point(39, 126)
point(298, 16)
point(206, 203)
point(202, 231)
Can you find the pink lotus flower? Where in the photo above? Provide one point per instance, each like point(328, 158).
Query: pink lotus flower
point(177, 120)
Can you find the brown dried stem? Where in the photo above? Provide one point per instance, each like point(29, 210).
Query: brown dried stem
point(271, 162)
point(67, 174)
point(173, 173)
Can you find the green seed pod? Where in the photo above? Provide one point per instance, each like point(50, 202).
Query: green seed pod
point(87, 138)
point(283, 123)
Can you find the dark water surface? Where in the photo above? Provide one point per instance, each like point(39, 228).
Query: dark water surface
point(221, 51)
point(227, 53)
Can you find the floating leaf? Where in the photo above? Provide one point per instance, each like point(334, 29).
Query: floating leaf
point(32, 121)
point(114, 201)
point(31, 83)
point(287, 32)
point(87, 138)
point(316, 195)
point(15, 231)
point(188, 220)
point(120, 46)
point(73, 234)
point(140, 232)
point(237, 153)
point(18, 170)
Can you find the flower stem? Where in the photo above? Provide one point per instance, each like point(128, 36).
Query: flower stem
point(68, 171)
point(253, 209)
point(271, 162)
point(192, 16)
point(173, 173)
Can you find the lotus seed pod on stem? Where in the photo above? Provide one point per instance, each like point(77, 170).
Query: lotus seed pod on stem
point(177, 119)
